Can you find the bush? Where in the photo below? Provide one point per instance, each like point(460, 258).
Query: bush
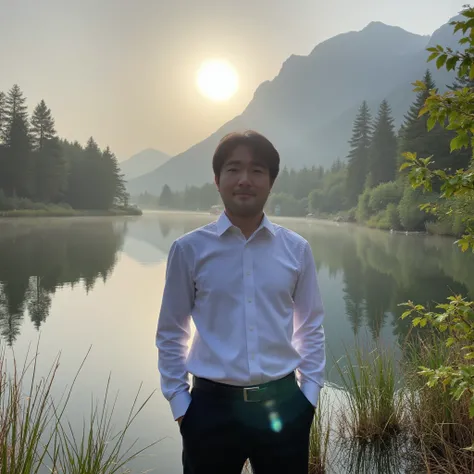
point(383, 195)
point(411, 216)
point(363, 211)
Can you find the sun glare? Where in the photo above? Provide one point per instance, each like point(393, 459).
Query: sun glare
point(217, 80)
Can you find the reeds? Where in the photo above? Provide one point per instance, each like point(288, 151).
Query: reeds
point(439, 424)
point(320, 437)
point(35, 435)
point(372, 406)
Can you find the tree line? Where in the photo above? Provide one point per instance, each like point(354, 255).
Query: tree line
point(36, 166)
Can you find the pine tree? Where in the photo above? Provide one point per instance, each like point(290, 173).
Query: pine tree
point(17, 153)
point(42, 126)
point(358, 158)
point(114, 183)
point(50, 166)
point(167, 198)
point(416, 138)
point(3, 164)
point(3, 112)
point(414, 128)
point(461, 82)
point(383, 149)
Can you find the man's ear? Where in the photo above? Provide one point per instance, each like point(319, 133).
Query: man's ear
point(216, 181)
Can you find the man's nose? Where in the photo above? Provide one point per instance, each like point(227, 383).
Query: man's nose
point(244, 178)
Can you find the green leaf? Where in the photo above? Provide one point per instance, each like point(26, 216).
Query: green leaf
point(461, 140)
point(464, 40)
point(417, 321)
point(432, 56)
point(431, 123)
point(441, 61)
point(451, 63)
point(471, 73)
point(469, 356)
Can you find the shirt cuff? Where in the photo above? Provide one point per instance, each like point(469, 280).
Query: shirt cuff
point(311, 392)
point(180, 404)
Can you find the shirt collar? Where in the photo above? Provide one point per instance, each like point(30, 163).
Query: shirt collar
point(224, 224)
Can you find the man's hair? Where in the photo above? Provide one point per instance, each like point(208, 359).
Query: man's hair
point(261, 148)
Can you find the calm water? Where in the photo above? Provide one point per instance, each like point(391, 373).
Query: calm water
point(96, 283)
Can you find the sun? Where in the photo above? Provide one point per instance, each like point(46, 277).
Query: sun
point(217, 80)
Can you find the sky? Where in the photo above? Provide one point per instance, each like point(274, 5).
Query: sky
point(124, 71)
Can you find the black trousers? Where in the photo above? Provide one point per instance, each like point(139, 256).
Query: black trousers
point(219, 434)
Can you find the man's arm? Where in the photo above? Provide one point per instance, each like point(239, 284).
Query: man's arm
point(308, 337)
point(173, 332)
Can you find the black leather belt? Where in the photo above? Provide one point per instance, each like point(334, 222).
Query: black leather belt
point(254, 393)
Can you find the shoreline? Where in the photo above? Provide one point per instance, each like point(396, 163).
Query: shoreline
point(63, 212)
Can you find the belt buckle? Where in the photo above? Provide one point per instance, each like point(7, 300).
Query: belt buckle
point(250, 389)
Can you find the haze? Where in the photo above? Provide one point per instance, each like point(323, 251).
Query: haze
point(125, 72)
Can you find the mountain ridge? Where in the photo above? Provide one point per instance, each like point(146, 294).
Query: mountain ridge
point(143, 162)
point(307, 110)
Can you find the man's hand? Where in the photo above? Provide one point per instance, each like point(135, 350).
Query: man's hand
point(179, 420)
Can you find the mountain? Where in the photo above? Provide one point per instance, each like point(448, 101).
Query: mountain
point(142, 163)
point(308, 109)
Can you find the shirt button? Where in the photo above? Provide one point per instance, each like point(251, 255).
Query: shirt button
point(248, 273)
point(249, 300)
point(251, 328)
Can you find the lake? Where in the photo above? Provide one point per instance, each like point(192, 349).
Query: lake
point(96, 283)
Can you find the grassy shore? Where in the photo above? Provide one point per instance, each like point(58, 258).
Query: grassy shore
point(382, 424)
point(59, 211)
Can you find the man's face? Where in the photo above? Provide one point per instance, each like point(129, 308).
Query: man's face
point(244, 184)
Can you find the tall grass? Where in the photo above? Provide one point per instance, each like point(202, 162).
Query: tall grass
point(320, 437)
point(372, 407)
point(439, 423)
point(35, 435)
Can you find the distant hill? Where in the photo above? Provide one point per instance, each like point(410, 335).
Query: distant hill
point(142, 163)
point(309, 108)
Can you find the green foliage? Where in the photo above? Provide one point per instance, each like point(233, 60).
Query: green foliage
point(387, 219)
point(456, 320)
point(411, 216)
point(385, 194)
point(363, 209)
point(289, 205)
point(455, 111)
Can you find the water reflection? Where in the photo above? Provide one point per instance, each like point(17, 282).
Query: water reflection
point(390, 456)
point(364, 274)
point(37, 258)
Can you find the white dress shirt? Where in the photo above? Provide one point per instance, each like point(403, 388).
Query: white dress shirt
point(256, 307)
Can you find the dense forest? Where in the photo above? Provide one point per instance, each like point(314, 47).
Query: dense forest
point(37, 168)
point(367, 186)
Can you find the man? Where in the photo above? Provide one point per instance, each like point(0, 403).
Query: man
point(258, 356)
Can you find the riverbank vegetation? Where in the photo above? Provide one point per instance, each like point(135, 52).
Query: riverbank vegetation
point(45, 175)
point(36, 435)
